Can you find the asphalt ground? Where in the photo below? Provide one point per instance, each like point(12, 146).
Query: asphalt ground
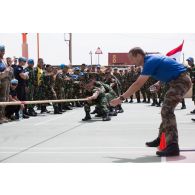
point(65, 138)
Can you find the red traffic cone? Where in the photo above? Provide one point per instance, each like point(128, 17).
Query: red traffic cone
point(162, 145)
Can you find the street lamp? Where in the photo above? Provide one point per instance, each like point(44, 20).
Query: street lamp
point(38, 54)
point(69, 41)
point(98, 52)
point(90, 53)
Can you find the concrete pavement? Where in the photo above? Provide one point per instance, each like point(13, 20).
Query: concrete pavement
point(65, 138)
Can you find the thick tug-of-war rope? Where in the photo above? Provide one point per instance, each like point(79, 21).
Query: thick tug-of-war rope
point(40, 102)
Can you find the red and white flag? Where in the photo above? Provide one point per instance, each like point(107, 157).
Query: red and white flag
point(176, 53)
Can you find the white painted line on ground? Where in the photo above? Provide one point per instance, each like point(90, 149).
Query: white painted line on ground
point(88, 147)
point(83, 152)
point(46, 121)
point(78, 147)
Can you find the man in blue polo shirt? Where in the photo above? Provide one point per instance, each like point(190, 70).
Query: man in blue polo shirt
point(22, 77)
point(166, 70)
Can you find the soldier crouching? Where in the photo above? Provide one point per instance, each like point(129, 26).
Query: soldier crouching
point(97, 97)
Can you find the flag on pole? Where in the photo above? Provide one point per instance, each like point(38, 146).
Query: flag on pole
point(176, 53)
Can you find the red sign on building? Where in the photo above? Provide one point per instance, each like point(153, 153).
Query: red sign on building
point(118, 59)
point(121, 58)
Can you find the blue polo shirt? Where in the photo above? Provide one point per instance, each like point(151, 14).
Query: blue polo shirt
point(162, 68)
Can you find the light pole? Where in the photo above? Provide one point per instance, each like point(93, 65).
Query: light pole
point(70, 46)
point(37, 45)
point(24, 45)
point(98, 52)
point(90, 53)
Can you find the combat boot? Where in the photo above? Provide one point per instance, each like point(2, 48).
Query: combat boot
point(60, 108)
point(120, 109)
point(31, 112)
point(183, 107)
point(34, 111)
point(154, 143)
point(126, 100)
point(193, 111)
point(148, 101)
point(106, 117)
point(87, 116)
point(56, 110)
point(158, 104)
point(113, 111)
point(170, 150)
point(66, 107)
point(183, 104)
point(25, 116)
point(43, 109)
point(99, 113)
point(78, 104)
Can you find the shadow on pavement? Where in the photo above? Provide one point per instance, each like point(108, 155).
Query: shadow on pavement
point(144, 159)
point(175, 158)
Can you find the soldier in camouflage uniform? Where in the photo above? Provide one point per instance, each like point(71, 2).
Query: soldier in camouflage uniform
point(68, 87)
point(112, 81)
point(96, 96)
point(153, 94)
point(191, 70)
point(39, 90)
point(116, 73)
point(148, 93)
point(76, 87)
point(100, 74)
point(59, 87)
point(49, 84)
point(143, 92)
point(164, 89)
point(137, 74)
point(126, 81)
point(132, 79)
point(30, 86)
point(110, 95)
point(121, 80)
point(6, 74)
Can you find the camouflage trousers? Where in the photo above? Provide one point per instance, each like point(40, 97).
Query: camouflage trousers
point(4, 95)
point(110, 96)
point(178, 88)
point(30, 95)
point(101, 104)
